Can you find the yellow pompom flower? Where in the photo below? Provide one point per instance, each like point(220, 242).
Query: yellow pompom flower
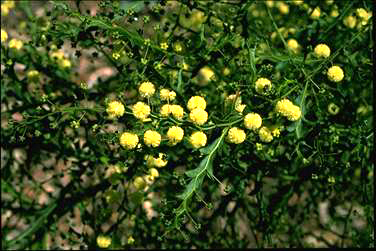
point(322, 50)
point(198, 139)
point(153, 172)
point(335, 74)
point(115, 109)
point(166, 94)
point(177, 111)
point(152, 138)
point(15, 44)
point(252, 121)
point(139, 183)
point(293, 45)
point(4, 35)
point(286, 108)
point(265, 134)
point(206, 74)
point(349, 22)
point(141, 110)
point(263, 84)
point(103, 241)
point(65, 63)
point(198, 116)
point(363, 15)
point(129, 140)
point(165, 110)
point(175, 134)
point(236, 135)
point(316, 13)
point(283, 8)
point(196, 102)
point(159, 162)
point(146, 89)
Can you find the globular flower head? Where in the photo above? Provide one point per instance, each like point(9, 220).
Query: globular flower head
point(287, 109)
point(335, 74)
point(166, 94)
point(152, 138)
point(315, 13)
point(252, 121)
point(165, 110)
point(175, 134)
point(159, 162)
point(146, 89)
point(293, 45)
point(349, 21)
point(153, 172)
point(196, 102)
point(141, 110)
point(129, 140)
point(4, 35)
point(363, 15)
point(283, 8)
point(103, 241)
point(198, 139)
point(322, 50)
point(177, 111)
point(115, 109)
point(198, 116)
point(15, 44)
point(262, 85)
point(206, 75)
point(265, 134)
point(236, 135)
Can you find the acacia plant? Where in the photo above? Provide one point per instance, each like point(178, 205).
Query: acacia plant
point(186, 124)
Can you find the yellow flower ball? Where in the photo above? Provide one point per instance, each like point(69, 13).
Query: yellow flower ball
point(115, 109)
point(57, 55)
point(161, 161)
point(252, 121)
point(286, 108)
point(335, 74)
point(206, 75)
point(165, 110)
point(265, 134)
point(293, 45)
point(152, 138)
point(129, 140)
point(15, 44)
point(349, 22)
point(198, 139)
point(146, 89)
point(198, 116)
point(283, 8)
point(164, 94)
point(322, 50)
point(263, 84)
point(316, 13)
point(196, 102)
point(65, 63)
point(139, 183)
point(103, 241)
point(177, 111)
point(4, 35)
point(175, 134)
point(153, 172)
point(141, 110)
point(363, 15)
point(236, 135)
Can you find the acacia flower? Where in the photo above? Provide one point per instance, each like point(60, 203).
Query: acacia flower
point(161, 161)
point(335, 74)
point(141, 110)
point(165, 110)
point(293, 45)
point(196, 102)
point(252, 121)
point(4, 35)
point(129, 140)
point(175, 134)
point(236, 135)
point(177, 111)
point(206, 73)
point(146, 89)
point(263, 84)
point(350, 22)
point(286, 108)
point(15, 43)
point(265, 134)
point(322, 50)
point(115, 109)
point(103, 241)
point(166, 94)
point(152, 138)
point(198, 116)
point(198, 139)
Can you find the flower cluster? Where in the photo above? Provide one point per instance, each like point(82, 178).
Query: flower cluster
point(287, 109)
point(197, 105)
point(263, 85)
point(335, 73)
point(115, 109)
